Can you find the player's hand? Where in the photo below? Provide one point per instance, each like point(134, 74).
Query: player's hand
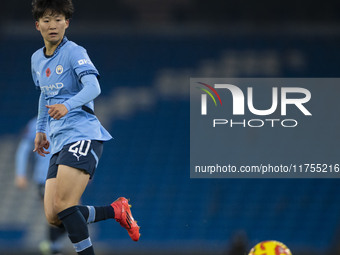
point(20, 182)
point(41, 143)
point(57, 111)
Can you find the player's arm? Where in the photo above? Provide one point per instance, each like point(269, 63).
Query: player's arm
point(89, 92)
point(40, 142)
point(87, 75)
point(21, 161)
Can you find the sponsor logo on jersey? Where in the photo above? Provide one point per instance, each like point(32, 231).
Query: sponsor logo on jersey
point(48, 72)
point(84, 61)
point(53, 89)
point(59, 69)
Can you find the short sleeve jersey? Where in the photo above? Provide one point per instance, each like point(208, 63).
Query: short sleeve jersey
point(59, 78)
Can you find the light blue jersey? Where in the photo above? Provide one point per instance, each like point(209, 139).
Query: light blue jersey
point(59, 79)
point(24, 151)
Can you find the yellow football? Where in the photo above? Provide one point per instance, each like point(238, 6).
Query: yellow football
point(270, 248)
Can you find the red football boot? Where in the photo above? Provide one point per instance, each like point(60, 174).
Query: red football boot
point(124, 217)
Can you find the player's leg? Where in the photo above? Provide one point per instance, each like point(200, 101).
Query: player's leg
point(51, 196)
point(96, 213)
point(85, 155)
point(54, 244)
point(70, 185)
point(56, 229)
point(118, 210)
point(50, 190)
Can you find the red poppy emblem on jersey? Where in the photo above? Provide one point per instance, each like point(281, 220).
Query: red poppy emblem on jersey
point(48, 72)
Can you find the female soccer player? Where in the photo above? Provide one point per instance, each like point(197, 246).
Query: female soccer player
point(68, 82)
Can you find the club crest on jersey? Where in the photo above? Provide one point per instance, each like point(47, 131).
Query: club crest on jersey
point(48, 72)
point(59, 69)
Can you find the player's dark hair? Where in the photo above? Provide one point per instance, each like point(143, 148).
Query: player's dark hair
point(39, 7)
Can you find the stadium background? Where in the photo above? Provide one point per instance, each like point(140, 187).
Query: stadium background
point(146, 51)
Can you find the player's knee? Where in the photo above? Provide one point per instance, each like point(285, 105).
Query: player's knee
point(52, 209)
point(52, 218)
point(61, 204)
point(52, 214)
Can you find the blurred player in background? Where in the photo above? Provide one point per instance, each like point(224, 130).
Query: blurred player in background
point(68, 82)
point(25, 158)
